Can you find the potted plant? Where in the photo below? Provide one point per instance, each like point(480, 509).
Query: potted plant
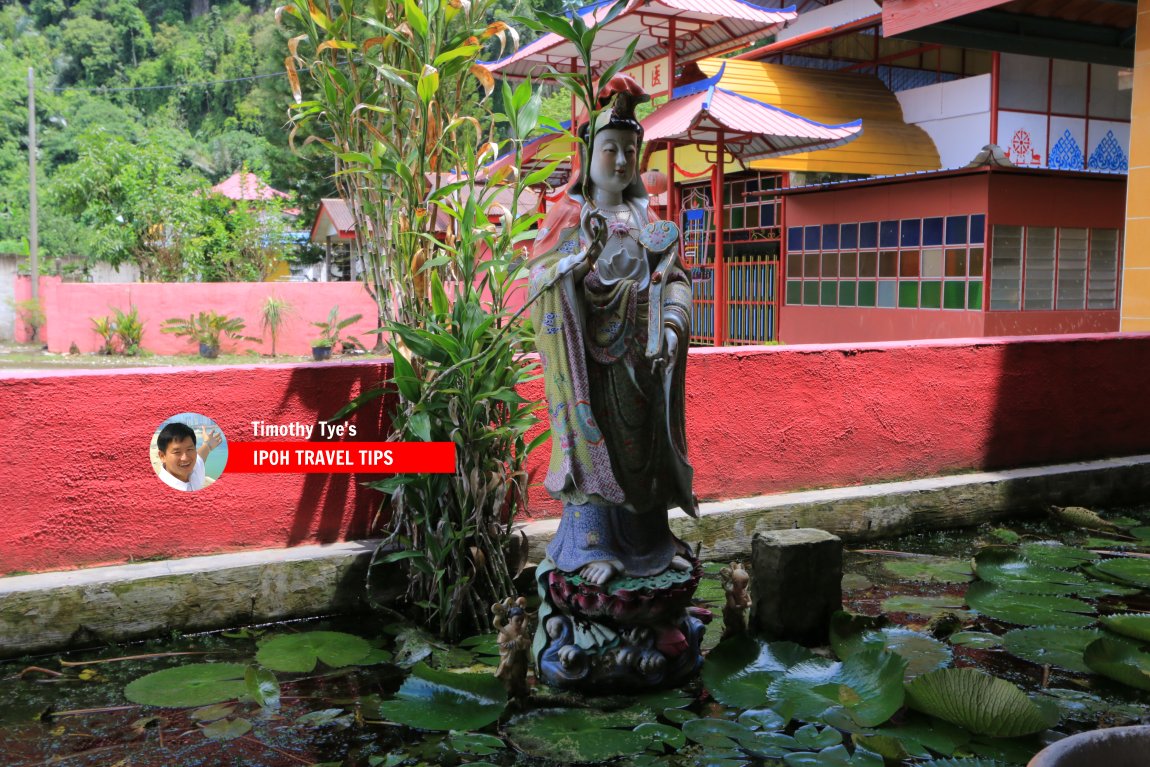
point(206, 328)
point(330, 335)
point(272, 315)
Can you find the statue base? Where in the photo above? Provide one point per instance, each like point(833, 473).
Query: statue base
point(631, 634)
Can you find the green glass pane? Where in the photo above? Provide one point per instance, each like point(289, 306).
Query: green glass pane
point(846, 294)
point(931, 294)
point(811, 292)
point(794, 292)
point(830, 293)
point(954, 295)
point(866, 293)
point(975, 301)
point(908, 294)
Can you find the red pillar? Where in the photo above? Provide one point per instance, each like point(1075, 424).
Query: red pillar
point(720, 266)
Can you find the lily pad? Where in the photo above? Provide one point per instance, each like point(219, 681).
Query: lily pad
point(1121, 660)
point(576, 736)
point(662, 734)
point(1086, 707)
point(979, 640)
point(865, 689)
point(919, 605)
point(1053, 554)
point(476, 743)
point(763, 719)
point(716, 733)
point(970, 762)
point(227, 729)
point(262, 686)
point(739, 670)
point(1008, 569)
point(1133, 625)
point(980, 703)
point(299, 653)
point(855, 582)
point(852, 633)
point(810, 736)
point(431, 699)
point(197, 684)
point(931, 569)
point(1062, 647)
point(1135, 571)
point(1028, 609)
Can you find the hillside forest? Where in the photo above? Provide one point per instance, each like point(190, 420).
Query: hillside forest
point(141, 106)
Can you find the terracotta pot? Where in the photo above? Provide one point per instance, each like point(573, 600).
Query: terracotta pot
point(1113, 747)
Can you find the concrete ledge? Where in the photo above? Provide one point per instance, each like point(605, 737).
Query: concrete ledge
point(51, 611)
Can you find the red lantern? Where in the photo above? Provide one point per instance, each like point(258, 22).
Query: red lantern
point(655, 181)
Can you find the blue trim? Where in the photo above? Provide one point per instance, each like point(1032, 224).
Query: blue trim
point(699, 86)
point(707, 99)
point(788, 9)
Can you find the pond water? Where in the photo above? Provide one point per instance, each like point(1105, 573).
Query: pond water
point(1039, 617)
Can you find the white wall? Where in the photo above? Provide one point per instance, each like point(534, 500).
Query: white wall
point(956, 116)
point(829, 16)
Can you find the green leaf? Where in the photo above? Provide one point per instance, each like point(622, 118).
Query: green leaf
point(973, 761)
point(439, 303)
point(716, 733)
point(810, 736)
point(1120, 660)
point(227, 729)
point(1134, 571)
point(404, 376)
point(262, 686)
point(197, 684)
point(416, 18)
point(574, 736)
point(739, 670)
point(321, 718)
point(1062, 647)
point(977, 639)
point(763, 719)
point(1054, 554)
point(420, 425)
point(930, 569)
point(299, 653)
point(979, 703)
point(1028, 609)
point(1134, 625)
point(866, 688)
point(1008, 569)
point(853, 633)
point(661, 735)
point(475, 743)
point(919, 605)
point(430, 699)
point(428, 83)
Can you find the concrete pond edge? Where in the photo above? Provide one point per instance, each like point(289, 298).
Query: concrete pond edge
point(48, 612)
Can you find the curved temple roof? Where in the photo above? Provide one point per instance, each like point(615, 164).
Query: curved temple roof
point(751, 129)
point(702, 28)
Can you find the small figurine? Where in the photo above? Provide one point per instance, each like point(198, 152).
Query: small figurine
point(511, 620)
point(735, 580)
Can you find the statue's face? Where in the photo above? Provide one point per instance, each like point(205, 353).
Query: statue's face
point(614, 159)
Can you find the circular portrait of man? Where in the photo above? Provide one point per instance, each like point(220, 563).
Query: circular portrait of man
point(189, 451)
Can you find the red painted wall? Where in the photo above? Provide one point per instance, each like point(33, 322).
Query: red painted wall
point(76, 486)
point(70, 307)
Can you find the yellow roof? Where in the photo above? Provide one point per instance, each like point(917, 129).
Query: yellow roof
point(887, 144)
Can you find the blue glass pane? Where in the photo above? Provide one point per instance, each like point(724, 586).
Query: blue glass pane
point(795, 238)
point(888, 234)
point(956, 230)
point(977, 229)
point(868, 236)
point(830, 236)
point(767, 215)
point(909, 232)
point(887, 293)
point(932, 231)
point(849, 236)
point(811, 239)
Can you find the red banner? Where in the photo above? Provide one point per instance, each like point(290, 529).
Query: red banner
point(341, 457)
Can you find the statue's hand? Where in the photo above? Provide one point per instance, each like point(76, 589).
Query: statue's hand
point(668, 353)
point(594, 227)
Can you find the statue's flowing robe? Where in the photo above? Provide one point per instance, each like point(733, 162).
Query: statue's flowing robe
point(619, 453)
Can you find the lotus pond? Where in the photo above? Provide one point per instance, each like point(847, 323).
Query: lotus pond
point(968, 649)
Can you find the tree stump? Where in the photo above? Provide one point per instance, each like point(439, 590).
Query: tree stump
point(796, 584)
